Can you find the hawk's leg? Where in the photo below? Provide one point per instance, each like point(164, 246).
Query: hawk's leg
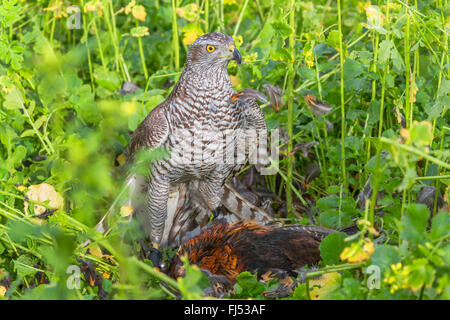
point(211, 191)
point(158, 194)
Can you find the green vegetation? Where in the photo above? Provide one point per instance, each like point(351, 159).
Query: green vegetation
point(382, 66)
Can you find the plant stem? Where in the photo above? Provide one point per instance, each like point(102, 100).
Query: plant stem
point(141, 53)
point(241, 15)
point(408, 111)
point(99, 42)
point(416, 152)
point(207, 15)
point(175, 42)
point(290, 126)
point(323, 161)
point(373, 200)
point(341, 57)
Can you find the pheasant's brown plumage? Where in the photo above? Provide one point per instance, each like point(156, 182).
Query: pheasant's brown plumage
point(229, 249)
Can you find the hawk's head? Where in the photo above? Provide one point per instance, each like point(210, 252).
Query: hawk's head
point(213, 49)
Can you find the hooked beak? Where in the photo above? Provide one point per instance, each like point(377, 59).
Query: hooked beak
point(236, 56)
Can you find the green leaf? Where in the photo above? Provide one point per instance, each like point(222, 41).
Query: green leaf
point(13, 100)
point(444, 90)
point(352, 68)
point(247, 285)
point(434, 109)
point(397, 59)
point(353, 289)
point(85, 104)
point(374, 112)
point(27, 133)
point(331, 247)
point(440, 226)
point(384, 256)
point(282, 28)
point(333, 39)
point(280, 54)
point(19, 154)
point(24, 265)
point(299, 293)
point(420, 273)
point(414, 223)
point(38, 123)
point(336, 213)
point(329, 202)
point(421, 133)
point(384, 51)
point(107, 79)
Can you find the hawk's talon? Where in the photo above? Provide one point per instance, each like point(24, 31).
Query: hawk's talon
point(216, 212)
point(156, 258)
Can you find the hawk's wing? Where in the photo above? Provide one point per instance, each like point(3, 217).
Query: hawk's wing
point(151, 133)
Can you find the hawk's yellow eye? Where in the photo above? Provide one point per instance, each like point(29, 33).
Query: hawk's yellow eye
point(210, 48)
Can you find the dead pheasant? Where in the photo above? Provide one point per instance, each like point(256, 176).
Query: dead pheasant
point(225, 250)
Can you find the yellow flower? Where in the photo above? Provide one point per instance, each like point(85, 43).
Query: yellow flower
point(309, 57)
point(129, 7)
point(191, 32)
point(249, 58)
point(362, 6)
point(126, 211)
point(190, 12)
point(394, 288)
point(94, 6)
point(396, 267)
point(374, 15)
point(58, 9)
point(139, 13)
point(238, 41)
point(358, 252)
point(365, 224)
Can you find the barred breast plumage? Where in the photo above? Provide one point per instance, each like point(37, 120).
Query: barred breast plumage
point(201, 126)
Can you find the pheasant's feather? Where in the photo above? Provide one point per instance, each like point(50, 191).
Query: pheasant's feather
point(229, 249)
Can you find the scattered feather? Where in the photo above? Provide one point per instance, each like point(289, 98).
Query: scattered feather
point(317, 107)
point(275, 95)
